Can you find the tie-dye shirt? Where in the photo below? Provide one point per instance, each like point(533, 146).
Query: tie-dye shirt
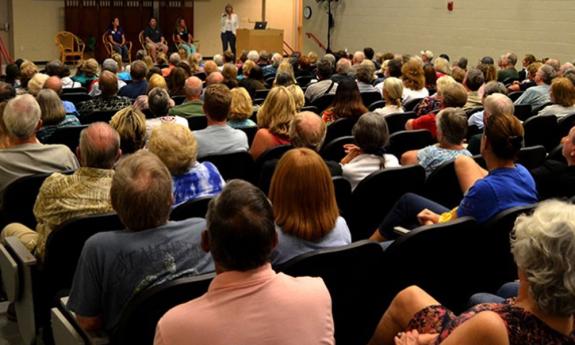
point(203, 179)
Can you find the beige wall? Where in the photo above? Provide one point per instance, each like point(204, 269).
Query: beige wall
point(35, 23)
point(280, 14)
point(474, 29)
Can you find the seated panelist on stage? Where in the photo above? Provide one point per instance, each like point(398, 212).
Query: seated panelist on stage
point(155, 41)
point(118, 39)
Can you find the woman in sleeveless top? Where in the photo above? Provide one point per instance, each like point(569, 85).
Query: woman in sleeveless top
point(543, 246)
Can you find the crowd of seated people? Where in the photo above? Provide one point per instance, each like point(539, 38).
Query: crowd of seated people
point(147, 160)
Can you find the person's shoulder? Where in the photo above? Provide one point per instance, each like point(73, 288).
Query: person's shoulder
point(310, 287)
point(486, 327)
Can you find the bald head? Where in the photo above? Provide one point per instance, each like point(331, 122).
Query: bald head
point(307, 130)
point(99, 146)
point(108, 83)
point(214, 78)
point(193, 88)
point(497, 104)
point(54, 83)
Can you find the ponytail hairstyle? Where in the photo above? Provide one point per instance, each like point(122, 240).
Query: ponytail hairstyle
point(505, 135)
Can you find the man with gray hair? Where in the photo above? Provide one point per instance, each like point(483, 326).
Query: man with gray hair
point(495, 102)
point(271, 70)
point(108, 65)
point(342, 70)
point(173, 61)
point(254, 56)
point(115, 265)
point(159, 104)
point(538, 95)
point(193, 105)
point(87, 191)
point(306, 130)
point(508, 71)
point(219, 60)
point(24, 154)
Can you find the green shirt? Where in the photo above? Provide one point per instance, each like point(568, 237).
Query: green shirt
point(188, 109)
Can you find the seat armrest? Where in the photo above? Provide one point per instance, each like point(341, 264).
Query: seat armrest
point(71, 330)
point(401, 231)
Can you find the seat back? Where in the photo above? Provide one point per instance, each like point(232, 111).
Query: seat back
point(542, 130)
point(75, 97)
point(522, 111)
point(342, 189)
point(513, 96)
point(322, 102)
point(412, 104)
point(262, 93)
point(472, 111)
point(17, 265)
point(353, 276)
point(197, 122)
point(376, 105)
point(66, 40)
point(19, 199)
point(370, 97)
point(375, 195)
point(303, 80)
point(98, 116)
point(106, 43)
point(273, 153)
point(196, 208)
point(532, 157)
point(142, 41)
point(498, 265)
point(396, 121)
point(233, 165)
point(311, 108)
point(565, 124)
point(443, 187)
point(404, 141)
point(420, 258)
point(334, 151)
point(339, 128)
point(64, 246)
point(250, 132)
point(178, 99)
point(138, 320)
point(69, 136)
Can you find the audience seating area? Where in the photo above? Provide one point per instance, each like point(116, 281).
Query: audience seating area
point(449, 260)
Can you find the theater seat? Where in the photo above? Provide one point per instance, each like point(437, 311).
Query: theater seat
point(233, 165)
point(356, 279)
point(191, 209)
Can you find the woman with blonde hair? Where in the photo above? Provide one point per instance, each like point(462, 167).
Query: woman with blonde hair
point(177, 147)
point(87, 73)
point(413, 80)
point(53, 114)
point(543, 247)
point(27, 70)
point(298, 96)
point(431, 103)
point(563, 97)
point(274, 118)
point(392, 95)
point(310, 223)
point(285, 67)
point(241, 109)
point(130, 123)
point(441, 67)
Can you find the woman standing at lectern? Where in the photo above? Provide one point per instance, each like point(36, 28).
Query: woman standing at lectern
point(230, 24)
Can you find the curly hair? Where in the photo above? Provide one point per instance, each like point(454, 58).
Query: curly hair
point(543, 245)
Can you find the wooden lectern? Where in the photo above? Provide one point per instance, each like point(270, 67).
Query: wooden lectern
point(270, 40)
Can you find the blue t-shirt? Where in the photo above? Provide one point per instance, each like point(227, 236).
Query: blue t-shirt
point(117, 34)
point(116, 265)
point(203, 179)
point(502, 189)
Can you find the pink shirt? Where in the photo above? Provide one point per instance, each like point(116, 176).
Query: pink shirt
point(253, 307)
